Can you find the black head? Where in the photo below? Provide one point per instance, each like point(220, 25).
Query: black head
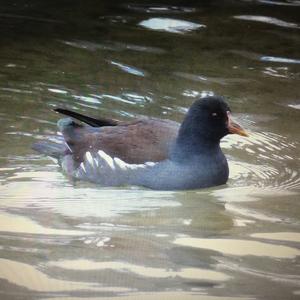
point(206, 123)
point(207, 118)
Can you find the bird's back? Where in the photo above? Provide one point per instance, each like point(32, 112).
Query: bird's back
point(143, 140)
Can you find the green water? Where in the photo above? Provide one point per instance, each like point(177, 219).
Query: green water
point(125, 59)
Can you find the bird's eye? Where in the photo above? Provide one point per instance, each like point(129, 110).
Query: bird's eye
point(214, 114)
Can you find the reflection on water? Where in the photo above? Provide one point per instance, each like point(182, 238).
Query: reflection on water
point(128, 69)
point(170, 25)
point(81, 201)
point(281, 3)
point(165, 9)
point(188, 273)
point(13, 16)
point(112, 46)
point(280, 59)
point(296, 106)
point(240, 247)
point(18, 224)
point(268, 20)
point(271, 161)
point(280, 236)
point(210, 80)
point(26, 276)
point(165, 295)
point(65, 240)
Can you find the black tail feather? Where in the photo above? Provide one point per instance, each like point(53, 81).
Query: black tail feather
point(88, 120)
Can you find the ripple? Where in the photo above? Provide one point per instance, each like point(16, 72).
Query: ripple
point(19, 224)
point(276, 277)
point(187, 273)
point(296, 106)
point(98, 241)
point(91, 46)
point(278, 236)
point(60, 198)
point(116, 19)
point(259, 175)
point(112, 46)
point(57, 91)
point(281, 72)
point(12, 65)
point(275, 160)
point(259, 140)
point(273, 142)
point(13, 272)
point(247, 194)
point(288, 3)
point(281, 153)
point(135, 98)
point(210, 80)
point(15, 90)
point(116, 98)
point(191, 93)
point(129, 98)
point(129, 69)
point(240, 247)
point(280, 59)
point(195, 94)
point(252, 214)
point(267, 20)
point(177, 295)
point(52, 88)
point(24, 17)
point(165, 9)
point(139, 48)
point(106, 227)
point(170, 25)
point(87, 99)
point(246, 54)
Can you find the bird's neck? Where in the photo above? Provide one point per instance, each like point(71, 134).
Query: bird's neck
point(192, 143)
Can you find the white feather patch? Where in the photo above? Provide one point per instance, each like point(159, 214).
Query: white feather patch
point(119, 164)
point(82, 167)
point(106, 159)
point(104, 169)
point(89, 158)
point(66, 144)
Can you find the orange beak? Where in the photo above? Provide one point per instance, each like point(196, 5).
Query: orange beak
point(234, 127)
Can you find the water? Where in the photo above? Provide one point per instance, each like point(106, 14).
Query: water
point(125, 59)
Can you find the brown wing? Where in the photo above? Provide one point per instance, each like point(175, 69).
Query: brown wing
point(136, 142)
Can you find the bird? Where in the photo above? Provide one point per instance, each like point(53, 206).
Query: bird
point(154, 153)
